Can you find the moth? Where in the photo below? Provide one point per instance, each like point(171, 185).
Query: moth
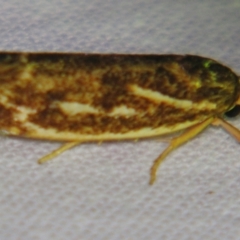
point(76, 97)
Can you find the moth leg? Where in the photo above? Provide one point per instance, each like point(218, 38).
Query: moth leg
point(58, 151)
point(177, 141)
point(238, 101)
point(168, 137)
point(228, 127)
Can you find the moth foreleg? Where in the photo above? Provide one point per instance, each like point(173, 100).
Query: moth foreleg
point(58, 151)
point(177, 141)
point(228, 127)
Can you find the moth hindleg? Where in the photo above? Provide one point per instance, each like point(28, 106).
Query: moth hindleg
point(58, 151)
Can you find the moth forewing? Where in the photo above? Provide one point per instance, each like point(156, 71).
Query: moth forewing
point(77, 97)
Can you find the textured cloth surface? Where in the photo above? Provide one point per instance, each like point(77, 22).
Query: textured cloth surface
point(101, 191)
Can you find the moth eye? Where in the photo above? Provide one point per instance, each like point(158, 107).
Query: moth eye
point(233, 112)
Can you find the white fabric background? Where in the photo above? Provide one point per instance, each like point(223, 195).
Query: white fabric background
point(101, 191)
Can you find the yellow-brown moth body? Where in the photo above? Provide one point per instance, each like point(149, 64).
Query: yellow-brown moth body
point(99, 97)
